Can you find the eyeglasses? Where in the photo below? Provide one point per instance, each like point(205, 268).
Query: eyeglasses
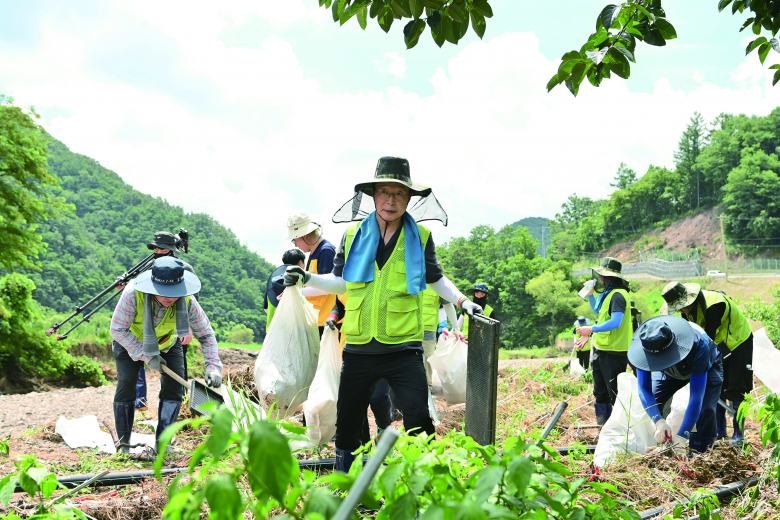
point(385, 195)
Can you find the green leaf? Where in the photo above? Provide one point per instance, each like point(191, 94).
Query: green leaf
point(596, 56)
point(482, 7)
point(337, 9)
point(221, 431)
point(7, 486)
point(48, 485)
point(577, 75)
point(412, 32)
point(723, 4)
point(376, 7)
point(223, 497)
point(438, 35)
point(478, 23)
point(775, 44)
point(488, 478)
point(571, 55)
point(667, 30)
point(456, 13)
point(755, 43)
point(433, 4)
point(446, 29)
point(352, 10)
point(639, 7)
point(399, 9)
point(27, 483)
point(415, 5)
point(385, 18)
point(269, 462)
point(362, 18)
point(434, 20)
point(520, 469)
point(608, 15)
point(620, 64)
point(625, 52)
point(763, 51)
point(565, 68)
point(653, 37)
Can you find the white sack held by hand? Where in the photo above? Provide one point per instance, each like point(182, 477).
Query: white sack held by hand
point(288, 360)
point(320, 407)
point(450, 363)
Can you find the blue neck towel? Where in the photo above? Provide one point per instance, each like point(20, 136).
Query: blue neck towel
point(600, 299)
point(362, 253)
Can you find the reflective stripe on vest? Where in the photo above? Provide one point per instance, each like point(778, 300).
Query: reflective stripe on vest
point(488, 310)
point(165, 330)
point(430, 310)
point(619, 339)
point(734, 329)
point(383, 309)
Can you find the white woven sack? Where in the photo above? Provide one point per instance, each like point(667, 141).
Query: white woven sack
point(575, 369)
point(450, 363)
point(320, 407)
point(629, 428)
point(288, 360)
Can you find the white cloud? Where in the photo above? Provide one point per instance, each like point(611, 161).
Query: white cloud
point(248, 137)
point(391, 63)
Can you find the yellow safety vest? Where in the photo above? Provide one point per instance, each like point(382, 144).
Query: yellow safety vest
point(382, 308)
point(488, 310)
point(734, 329)
point(619, 339)
point(165, 330)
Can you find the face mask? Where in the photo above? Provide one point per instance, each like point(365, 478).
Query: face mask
point(481, 301)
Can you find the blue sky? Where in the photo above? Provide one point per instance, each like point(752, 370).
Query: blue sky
point(255, 110)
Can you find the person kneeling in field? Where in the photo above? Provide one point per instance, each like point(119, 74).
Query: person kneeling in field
point(677, 353)
point(384, 264)
point(153, 314)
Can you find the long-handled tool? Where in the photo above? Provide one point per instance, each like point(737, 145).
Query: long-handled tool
point(573, 349)
point(200, 393)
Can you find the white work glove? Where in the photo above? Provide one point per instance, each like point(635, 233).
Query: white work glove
point(213, 378)
point(156, 362)
point(680, 447)
point(470, 308)
point(663, 432)
point(295, 273)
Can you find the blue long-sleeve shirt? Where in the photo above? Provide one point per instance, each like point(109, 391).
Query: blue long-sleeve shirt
point(614, 321)
point(695, 367)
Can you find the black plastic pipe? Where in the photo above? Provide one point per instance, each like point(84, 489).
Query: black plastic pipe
point(112, 479)
point(557, 415)
point(721, 492)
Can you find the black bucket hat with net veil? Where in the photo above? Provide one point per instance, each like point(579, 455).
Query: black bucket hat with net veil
point(422, 206)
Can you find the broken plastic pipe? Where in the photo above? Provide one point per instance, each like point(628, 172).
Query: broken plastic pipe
point(557, 415)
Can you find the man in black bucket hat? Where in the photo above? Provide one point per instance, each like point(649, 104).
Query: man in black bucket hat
point(678, 353)
point(480, 293)
point(154, 312)
point(384, 263)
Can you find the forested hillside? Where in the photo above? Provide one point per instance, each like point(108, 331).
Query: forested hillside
point(534, 226)
point(107, 234)
point(731, 163)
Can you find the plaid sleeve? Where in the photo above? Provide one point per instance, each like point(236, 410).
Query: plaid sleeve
point(124, 313)
point(201, 329)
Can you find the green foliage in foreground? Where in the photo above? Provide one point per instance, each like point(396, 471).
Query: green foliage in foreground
point(253, 468)
point(766, 313)
point(25, 350)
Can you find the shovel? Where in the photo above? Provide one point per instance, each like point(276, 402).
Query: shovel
point(568, 364)
point(200, 394)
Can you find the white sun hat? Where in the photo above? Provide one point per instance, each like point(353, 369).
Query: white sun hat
point(300, 225)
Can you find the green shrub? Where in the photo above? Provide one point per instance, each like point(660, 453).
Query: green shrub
point(87, 371)
point(241, 334)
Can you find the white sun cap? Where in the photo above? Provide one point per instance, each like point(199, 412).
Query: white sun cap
point(300, 225)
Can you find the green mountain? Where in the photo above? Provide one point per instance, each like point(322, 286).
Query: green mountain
point(534, 225)
point(107, 234)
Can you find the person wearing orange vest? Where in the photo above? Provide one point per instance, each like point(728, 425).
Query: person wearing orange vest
point(306, 235)
point(384, 263)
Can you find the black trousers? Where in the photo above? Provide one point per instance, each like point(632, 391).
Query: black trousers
point(127, 374)
point(360, 374)
point(583, 356)
point(381, 407)
point(738, 372)
point(607, 366)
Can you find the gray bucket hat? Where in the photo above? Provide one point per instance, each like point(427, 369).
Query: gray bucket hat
point(393, 169)
point(163, 240)
point(660, 343)
point(167, 278)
